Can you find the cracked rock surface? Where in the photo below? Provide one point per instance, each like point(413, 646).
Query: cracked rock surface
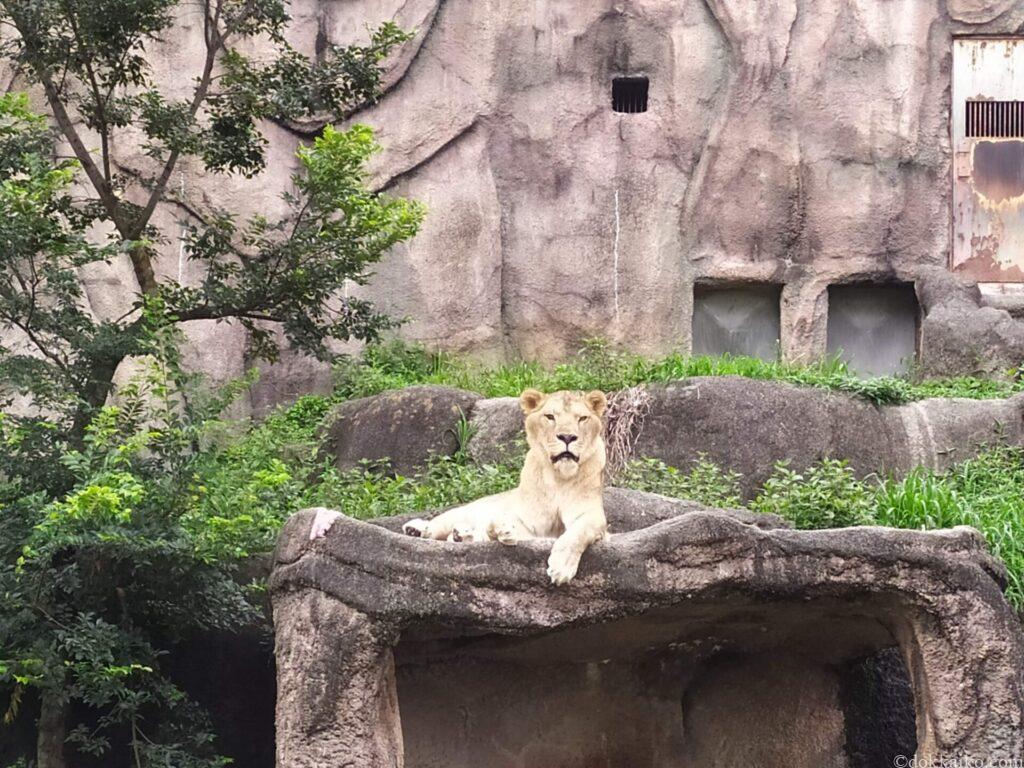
point(397, 651)
point(797, 143)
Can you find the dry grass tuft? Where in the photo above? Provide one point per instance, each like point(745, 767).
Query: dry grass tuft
point(627, 411)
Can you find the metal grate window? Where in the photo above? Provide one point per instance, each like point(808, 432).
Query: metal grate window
point(629, 94)
point(995, 119)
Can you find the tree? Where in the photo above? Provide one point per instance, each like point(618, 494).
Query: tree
point(99, 582)
point(90, 60)
point(92, 523)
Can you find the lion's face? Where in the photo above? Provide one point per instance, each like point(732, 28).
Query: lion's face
point(566, 428)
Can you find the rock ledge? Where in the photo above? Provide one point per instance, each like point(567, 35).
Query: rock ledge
point(687, 588)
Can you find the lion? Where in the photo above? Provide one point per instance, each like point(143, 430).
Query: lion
point(560, 492)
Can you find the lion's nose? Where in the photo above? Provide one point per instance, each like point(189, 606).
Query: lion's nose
point(567, 439)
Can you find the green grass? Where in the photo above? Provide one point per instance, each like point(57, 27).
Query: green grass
point(986, 492)
point(249, 484)
point(395, 365)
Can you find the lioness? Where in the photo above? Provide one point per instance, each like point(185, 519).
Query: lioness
point(560, 488)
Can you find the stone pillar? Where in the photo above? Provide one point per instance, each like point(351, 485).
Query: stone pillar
point(804, 319)
point(964, 665)
point(337, 706)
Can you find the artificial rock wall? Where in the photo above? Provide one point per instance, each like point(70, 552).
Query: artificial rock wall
point(787, 142)
point(791, 143)
point(703, 640)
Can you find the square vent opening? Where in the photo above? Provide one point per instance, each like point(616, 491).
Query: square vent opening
point(737, 320)
point(629, 94)
point(873, 327)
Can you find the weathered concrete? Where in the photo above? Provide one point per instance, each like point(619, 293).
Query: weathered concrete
point(800, 143)
point(960, 335)
point(783, 152)
point(402, 428)
point(493, 666)
point(747, 426)
point(878, 706)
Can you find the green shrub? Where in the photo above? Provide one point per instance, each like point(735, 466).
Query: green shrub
point(98, 581)
point(705, 483)
point(828, 495)
point(364, 494)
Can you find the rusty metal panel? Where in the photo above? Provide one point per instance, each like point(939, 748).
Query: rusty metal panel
point(988, 161)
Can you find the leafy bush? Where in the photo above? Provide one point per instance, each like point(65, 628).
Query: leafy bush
point(828, 495)
point(705, 483)
point(446, 481)
point(87, 611)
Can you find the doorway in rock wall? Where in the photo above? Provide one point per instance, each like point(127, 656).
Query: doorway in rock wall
point(988, 159)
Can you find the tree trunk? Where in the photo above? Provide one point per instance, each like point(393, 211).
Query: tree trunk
point(52, 732)
point(94, 397)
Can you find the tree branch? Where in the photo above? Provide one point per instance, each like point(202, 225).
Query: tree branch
point(97, 98)
point(215, 42)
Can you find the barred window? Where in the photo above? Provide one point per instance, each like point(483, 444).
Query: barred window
point(995, 119)
point(629, 94)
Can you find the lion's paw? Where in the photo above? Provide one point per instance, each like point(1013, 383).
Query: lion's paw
point(322, 522)
point(562, 566)
point(505, 533)
point(461, 534)
point(417, 527)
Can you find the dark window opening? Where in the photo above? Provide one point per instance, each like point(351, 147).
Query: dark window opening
point(629, 94)
point(737, 320)
point(995, 119)
point(873, 327)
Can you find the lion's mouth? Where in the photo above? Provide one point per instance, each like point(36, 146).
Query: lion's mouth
point(565, 455)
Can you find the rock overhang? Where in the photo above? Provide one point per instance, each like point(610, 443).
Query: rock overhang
point(686, 588)
point(703, 554)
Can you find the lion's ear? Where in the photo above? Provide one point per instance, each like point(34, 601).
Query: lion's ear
point(530, 400)
point(596, 401)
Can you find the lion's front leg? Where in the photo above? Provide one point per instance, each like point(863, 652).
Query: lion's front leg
point(568, 548)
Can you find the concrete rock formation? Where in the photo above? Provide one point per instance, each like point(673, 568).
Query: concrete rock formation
point(403, 427)
point(724, 417)
point(680, 643)
point(787, 142)
point(796, 143)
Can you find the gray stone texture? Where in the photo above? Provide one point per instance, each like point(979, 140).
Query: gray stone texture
point(794, 142)
point(401, 429)
point(741, 424)
point(748, 425)
point(960, 335)
point(394, 651)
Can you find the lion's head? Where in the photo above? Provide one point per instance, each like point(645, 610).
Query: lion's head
point(565, 429)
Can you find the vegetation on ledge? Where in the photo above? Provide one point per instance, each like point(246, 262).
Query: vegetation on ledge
point(164, 489)
point(598, 365)
point(985, 492)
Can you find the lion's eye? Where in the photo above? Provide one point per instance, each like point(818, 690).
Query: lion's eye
point(550, 416)
point(583, 418)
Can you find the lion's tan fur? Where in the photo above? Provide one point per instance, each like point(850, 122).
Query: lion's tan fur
point(560, 498)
